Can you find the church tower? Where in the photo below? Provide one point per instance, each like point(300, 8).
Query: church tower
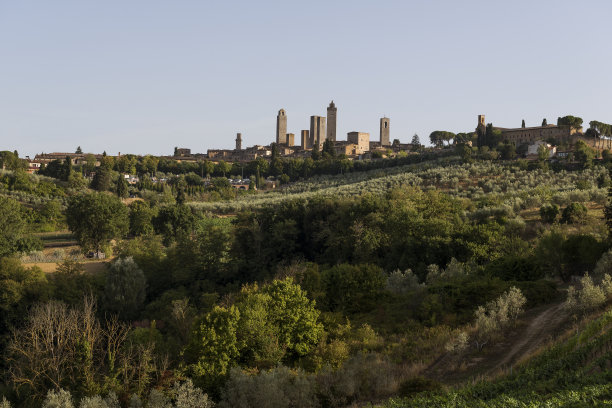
point(384, 132)
point(331, 121)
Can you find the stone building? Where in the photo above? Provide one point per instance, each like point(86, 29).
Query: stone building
point(529, 135)
point(281, 127)
point(306, 140)
point(331, 121)
point(361, 140)
point(317, 130)
point(238, 141)
point(384, 132)
point(290, 139)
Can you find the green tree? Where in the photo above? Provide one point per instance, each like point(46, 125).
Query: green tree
point(316, 153)
point(122, 187)
point(583, 153)
point(328, 152)
point(574, 213)
point(67, 168)
point(295, 316)
point(523, 124)
point(352, 288)
point(141, 218)
point(12, 225)
point(102, 179)
point(549, 213)
point(574, 122)
point(125, 289)
point(223, 167)
point(95, 219)
point(544, 122)
point(20, 287)
point(173, 221)
point(78, 150)
point(213, 348)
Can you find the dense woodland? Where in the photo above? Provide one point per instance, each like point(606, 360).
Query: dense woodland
point(339, 288)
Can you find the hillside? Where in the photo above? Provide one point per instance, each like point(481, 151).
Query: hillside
point(575, 371)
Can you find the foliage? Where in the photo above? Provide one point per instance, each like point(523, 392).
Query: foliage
point(95, 219)
point(12, 226)
point(125, 289)
point(574, 213)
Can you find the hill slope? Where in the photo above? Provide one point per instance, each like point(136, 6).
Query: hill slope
point(575, 372)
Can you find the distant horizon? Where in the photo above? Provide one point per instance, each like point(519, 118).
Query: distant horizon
point(143, 77)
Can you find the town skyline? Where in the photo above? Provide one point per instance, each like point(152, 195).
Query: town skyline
point(123, 77)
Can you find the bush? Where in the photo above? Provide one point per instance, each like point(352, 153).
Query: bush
point(549, 213)
point(585, 298)
point(574, 213)
point(418, 384)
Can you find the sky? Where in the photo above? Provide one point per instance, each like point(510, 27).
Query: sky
point(144, 76)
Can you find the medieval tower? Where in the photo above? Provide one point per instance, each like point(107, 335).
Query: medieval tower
point(317, 131)
point(331, 121)
point(384, 132)
point(238, 141)
point(306, 144)
point(281, 127)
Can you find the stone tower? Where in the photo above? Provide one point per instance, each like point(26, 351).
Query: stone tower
point(281, 127)
point(238, 141)
point(384, 132)
point(290, 139)
point(306, 140)
point(331, 121)
point(317, 130)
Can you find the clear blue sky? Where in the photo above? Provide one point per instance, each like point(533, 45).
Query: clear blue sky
point(144, 76)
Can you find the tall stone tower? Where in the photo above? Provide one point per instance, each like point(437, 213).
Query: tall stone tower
point(290, 139)
point(331, 121)
point(317, 130)
point(384, 132)
point(306, 144)
point(281, 127)
point(238, 141)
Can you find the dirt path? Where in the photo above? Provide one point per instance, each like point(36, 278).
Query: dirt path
point(538, 331)
point(538, 327)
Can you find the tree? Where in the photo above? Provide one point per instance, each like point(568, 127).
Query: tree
point(416, 142)
point(223, 167)
point(122, 187)
point(573, 213)
point(438, 137)
point(141, 218)
point(125, 289)
point(67, 168)
point(12, 225)
point(102, 179)
point(213, 348)
point(78, 150)
point(543, 153)
point(315, 154)
point(173, 221)
point(544, 122)
point(95, 219)
point(328, 152)
point(523, 124)
point(295, 316)
point(549, 213)
point(574, 122)
point(583, 153)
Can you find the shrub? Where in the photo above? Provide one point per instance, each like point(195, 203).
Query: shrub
point(586, 298)
point(549, 213)
point(574, 213)
point(418, 384)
